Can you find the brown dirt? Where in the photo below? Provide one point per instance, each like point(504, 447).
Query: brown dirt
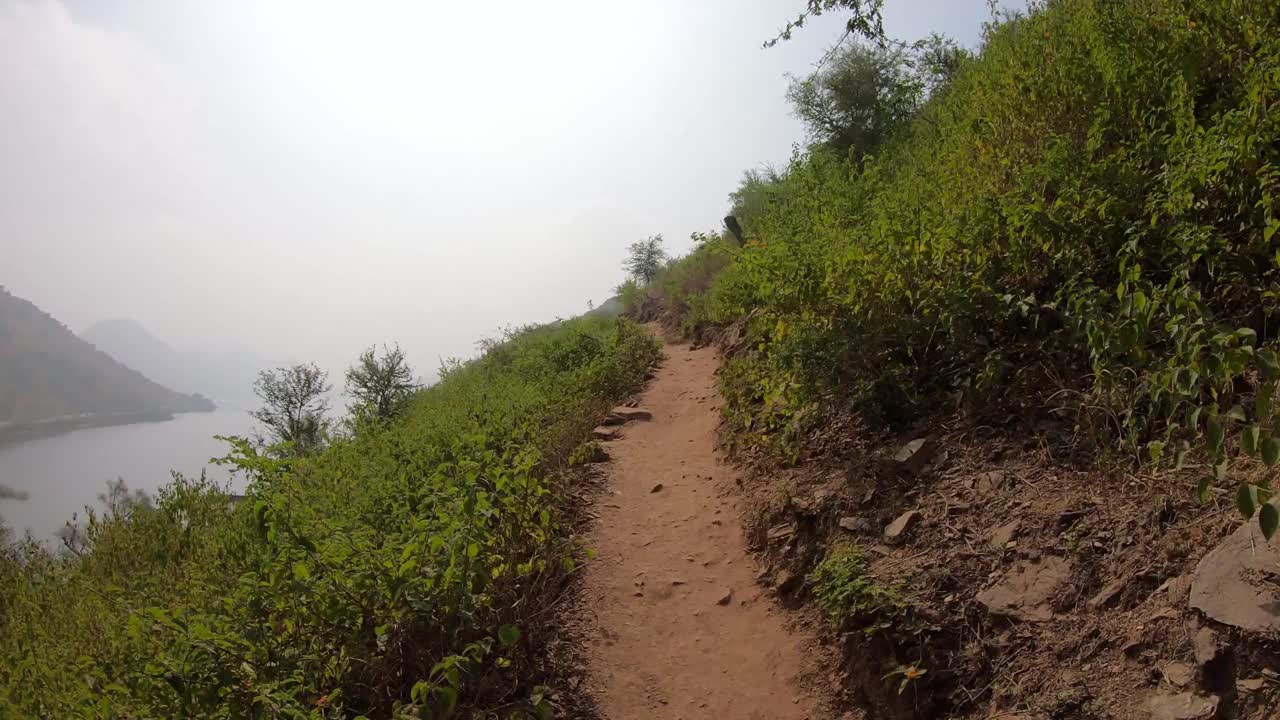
point(659, 643)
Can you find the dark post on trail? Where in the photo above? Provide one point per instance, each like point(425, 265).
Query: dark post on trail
point(731, 224)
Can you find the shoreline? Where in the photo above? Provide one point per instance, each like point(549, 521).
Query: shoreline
point(14, 433)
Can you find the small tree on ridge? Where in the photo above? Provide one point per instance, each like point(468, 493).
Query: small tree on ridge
point(645, 258)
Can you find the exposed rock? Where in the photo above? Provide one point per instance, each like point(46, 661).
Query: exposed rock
point(898, 530)
point(1026, 592)
point(1005, 533)
point(1178, 674)
point(726, 598)
point(1251, 685)
point(912, 458)
point(989, 481)
point(1177, 589)
point(1107, 595)
point(858, 524)
point(781, 532)
point(605, 433)
point(656, 488)
point(1230, 583)
point(1207, 646)
point(622, 415)
point(786, 581)
point(1183, 706)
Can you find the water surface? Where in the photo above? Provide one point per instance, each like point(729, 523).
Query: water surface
point(62, 474)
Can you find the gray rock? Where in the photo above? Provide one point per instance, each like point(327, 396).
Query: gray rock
point(632, 413)
point(605, 433)
point(1207, 646)
point(858, 524)
point(1183, 706)
point(1178, 674)
point(1108, 594)
point(786, 581)
point(915, 455)
point(1230, 583)
point(1002, 535)
point(989, 481)
point(898, 530)
point(781, 532)
point(1027, 591)
point(1251, 685)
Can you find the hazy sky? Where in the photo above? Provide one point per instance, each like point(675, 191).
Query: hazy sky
point(307, 178)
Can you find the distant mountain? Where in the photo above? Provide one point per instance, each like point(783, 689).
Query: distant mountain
point(46, 372)
point(226, 376)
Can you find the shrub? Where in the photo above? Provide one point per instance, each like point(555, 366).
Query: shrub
point(396, 573)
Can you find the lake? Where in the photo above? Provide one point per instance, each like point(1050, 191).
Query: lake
point(63, 473)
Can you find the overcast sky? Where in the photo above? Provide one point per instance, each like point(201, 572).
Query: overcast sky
point(307, 178)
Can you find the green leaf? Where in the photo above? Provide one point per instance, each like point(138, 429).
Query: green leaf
point(1220, 470)
point(1202, 490)
point(448, 698)
point(1247, 500)
point(1268, 364)
point(1235, 413)
point(1213, 431)
point(301, 571)
point(1249, 438)
point(508, 634)
point(1268, 520)
point(1271, 450)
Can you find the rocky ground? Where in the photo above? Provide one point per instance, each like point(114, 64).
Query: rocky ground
point(1036, 588)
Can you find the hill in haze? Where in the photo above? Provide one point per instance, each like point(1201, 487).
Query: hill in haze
point(48, 373)
point(225, 376)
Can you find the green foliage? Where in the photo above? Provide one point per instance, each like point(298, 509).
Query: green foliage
point(846, 591)
point(645, 258)
point(400, 572)
point(864, 18)
point(293, 407)
point(1081, 216)
point(861, 95)
point(381, 386)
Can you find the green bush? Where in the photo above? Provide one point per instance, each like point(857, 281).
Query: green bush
point(1081, 218)
point(845, 591)
point(402, 572)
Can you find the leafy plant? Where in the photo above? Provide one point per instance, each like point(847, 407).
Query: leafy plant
point(400, 572)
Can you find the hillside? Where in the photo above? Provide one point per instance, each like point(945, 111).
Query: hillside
point(1001, 355)
point(224, 376)
point(972, 412)
point(47, 372)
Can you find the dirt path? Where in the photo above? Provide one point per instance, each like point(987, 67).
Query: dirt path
point(666, 643)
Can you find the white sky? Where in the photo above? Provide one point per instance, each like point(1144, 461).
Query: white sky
point(307, 178)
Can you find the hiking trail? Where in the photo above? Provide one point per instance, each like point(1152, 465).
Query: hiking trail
point(679, 627)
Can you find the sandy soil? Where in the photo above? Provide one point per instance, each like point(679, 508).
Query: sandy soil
point(679, 627)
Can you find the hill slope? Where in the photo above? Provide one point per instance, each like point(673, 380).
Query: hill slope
point(225, 376)
point(47, 372)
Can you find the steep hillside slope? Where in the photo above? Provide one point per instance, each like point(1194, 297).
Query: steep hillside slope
point(225, 376)
point(47, 372)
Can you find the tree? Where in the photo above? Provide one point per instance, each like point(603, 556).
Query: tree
point(380, 385)
point(858, 98)
point(864, 19)
point(294, 405)
point(645, 258)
